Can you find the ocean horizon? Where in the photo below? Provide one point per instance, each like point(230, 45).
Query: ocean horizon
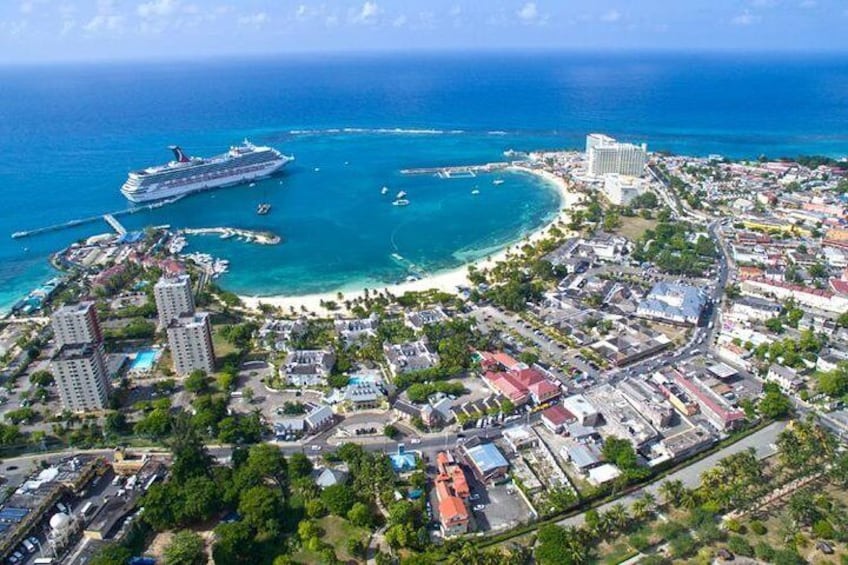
point(72, 132)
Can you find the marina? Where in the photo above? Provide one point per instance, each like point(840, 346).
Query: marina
point(249, 236)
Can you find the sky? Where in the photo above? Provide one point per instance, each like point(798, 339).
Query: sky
point(33, 31)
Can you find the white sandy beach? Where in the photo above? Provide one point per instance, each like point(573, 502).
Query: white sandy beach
point(446, 281)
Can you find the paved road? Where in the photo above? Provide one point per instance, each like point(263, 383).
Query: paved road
point(762, 441)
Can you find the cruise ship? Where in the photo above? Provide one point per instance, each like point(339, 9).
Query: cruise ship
point(185, 175)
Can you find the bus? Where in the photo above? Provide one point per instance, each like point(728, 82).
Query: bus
point(87, 509)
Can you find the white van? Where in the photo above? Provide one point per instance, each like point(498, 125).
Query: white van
point(28, 545)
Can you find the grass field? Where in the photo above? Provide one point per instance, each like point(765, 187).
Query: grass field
point(336, 533)
point(221, 345)
point(633, 227)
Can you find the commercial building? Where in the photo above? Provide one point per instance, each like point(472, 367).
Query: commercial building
point(720, 415)
point(487, 461)
point(621, 190)
point(583, 410)
point(190, 340)
point(606, 155)
point(621, 418)
point(670, 302)
point(648, 400)
point(76, 323)
point(80, 373)
point(556, 417)
point(174, 298)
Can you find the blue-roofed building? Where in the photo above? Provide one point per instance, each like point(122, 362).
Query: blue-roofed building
point(403, 461)
point(131, 237)
point(670, 302)
point(487, 461)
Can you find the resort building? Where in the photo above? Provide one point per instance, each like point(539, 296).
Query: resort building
point(75, 324)
point(81, 379)
point(320, 418)
point(418, 320)
point(190, 340)
point(174, 298)
point(606, 155)
point(308, 367)
point(621, 190)
point(356, 330)
point(410, 356)
point(669, 302)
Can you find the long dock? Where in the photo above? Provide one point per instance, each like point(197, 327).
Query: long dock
point(458, 171)
point(110, 218)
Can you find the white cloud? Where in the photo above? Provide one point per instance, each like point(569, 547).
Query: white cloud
point(257, 20)
point(103, 22)
point(156, 8)
point(25, 7)
point(455, 10)
point(528, 12)
point(301, 12)
point(399, 21)
point(67, 27)
point(808, 4)
point(367, 14)
point(746, 18)
point(611, 16)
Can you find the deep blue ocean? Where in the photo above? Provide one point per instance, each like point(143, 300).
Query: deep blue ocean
point(69, 135)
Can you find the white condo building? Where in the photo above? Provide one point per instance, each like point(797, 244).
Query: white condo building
point(621, 189)
point(174, 298)
point(80, 373)
point(606, 155)
point(190, 340)
point(75, 324)
point(79, 365)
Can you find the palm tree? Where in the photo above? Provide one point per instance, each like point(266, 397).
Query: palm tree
point(618, 516)
point(671, 492)
point(641, 509)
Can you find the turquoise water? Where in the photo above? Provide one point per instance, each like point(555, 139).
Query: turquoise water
point(144, 360)
point(71, 133)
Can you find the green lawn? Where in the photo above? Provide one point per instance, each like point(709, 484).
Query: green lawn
point(221, 345)
point(336, 533)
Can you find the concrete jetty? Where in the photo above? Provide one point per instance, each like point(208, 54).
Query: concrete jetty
point(457, 171)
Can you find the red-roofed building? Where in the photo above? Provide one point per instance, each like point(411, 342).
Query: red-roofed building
point(541, 390)
point(451, 492)
point(839, 286)
point(556, 417)
point(720, 416)
point(505, 384)
point(506, 361)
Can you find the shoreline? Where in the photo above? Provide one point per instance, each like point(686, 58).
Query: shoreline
point(446, 281)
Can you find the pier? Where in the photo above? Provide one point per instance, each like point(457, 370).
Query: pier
point(110, 218)
point(116, 225)
point(458, 171)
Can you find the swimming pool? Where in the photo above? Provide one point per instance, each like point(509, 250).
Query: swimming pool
point(362, 379)
point(144, 360)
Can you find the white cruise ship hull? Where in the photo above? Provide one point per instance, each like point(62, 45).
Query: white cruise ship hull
point(198, 183)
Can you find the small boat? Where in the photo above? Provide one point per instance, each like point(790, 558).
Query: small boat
point(251, 185)
point(400, 202)
point(316, 169)
point(400, 195)
point(496, 182)
point(263, 209)
point(475, 192)
point(384, 190)
point(281, 182)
